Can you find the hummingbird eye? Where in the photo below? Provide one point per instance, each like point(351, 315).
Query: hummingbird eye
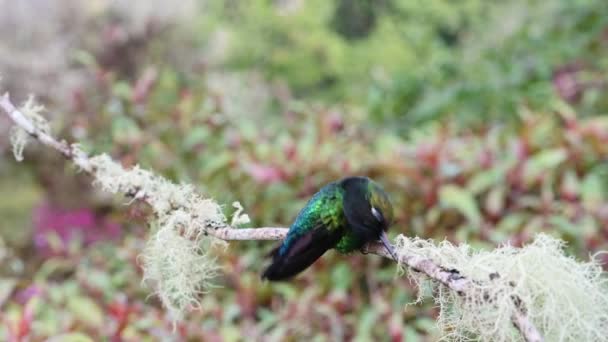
point(377, 215)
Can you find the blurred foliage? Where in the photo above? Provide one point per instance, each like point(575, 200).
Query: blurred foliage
point(418, 61)
point(477, 116)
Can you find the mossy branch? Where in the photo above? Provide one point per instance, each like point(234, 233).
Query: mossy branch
point(186, 219)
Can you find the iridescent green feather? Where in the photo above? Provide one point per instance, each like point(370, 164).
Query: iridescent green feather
point(323, 211)
point(348, 243)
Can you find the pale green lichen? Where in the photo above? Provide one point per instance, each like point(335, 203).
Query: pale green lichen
point(239, 218)
point(180, 266)
point(19, 139)
point(566, 300)
point(178, 260)
point(18, 136)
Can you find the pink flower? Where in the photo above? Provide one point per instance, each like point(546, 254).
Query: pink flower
point(265, 174)
point(28, 293)
point(68, 224)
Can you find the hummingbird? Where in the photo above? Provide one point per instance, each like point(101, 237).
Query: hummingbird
point(344, 215)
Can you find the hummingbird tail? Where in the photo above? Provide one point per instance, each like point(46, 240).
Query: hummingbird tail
point(302, 253)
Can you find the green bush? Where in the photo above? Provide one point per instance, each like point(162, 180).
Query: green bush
point(416, 100)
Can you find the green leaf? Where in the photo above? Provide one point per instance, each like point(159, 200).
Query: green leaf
point(485, 179)
point(71, 337)
point(592, 190)
point(342, 276)
point(231, 312)
point(411, 335)
point(565, 226)
point(542, 162)
point(366, 323)
point(426, 324)
point(453, 196)
point(122, 89)
point(100, 280)
point(209, 166)
point(85, 58)
point(495, 200)
point(125, 130)
point(230, 333)
point(511, 223)
point(267, 319)
point(7, 285)
point(287, 290)
point(85, 310)
point(197, 135)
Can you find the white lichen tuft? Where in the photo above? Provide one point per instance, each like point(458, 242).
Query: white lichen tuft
point(239, 218)
point(19, 139)
point(18, 136)
point(165, 197)
point(179, 265)
point(178, 260)
point(566, 300)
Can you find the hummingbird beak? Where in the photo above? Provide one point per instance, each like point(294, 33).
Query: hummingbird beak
point(388, 245)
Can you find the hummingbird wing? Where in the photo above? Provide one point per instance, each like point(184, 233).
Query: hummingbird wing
point(318, 227)
point(300, 254)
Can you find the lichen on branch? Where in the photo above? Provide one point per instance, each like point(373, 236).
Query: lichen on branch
point(19, 137)
point(178, 260)
point(180, 266)
point(566, 299)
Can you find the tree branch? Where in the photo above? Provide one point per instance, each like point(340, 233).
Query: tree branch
point(67, 150)
point(448, 277)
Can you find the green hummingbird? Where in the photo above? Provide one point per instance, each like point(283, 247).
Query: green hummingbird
point(344, 215)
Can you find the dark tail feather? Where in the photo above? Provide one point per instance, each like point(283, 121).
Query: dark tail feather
point(301, 254)
point(283, 268)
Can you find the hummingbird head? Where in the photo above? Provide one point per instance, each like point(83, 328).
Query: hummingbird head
point(381, 207)
point(367, 208)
